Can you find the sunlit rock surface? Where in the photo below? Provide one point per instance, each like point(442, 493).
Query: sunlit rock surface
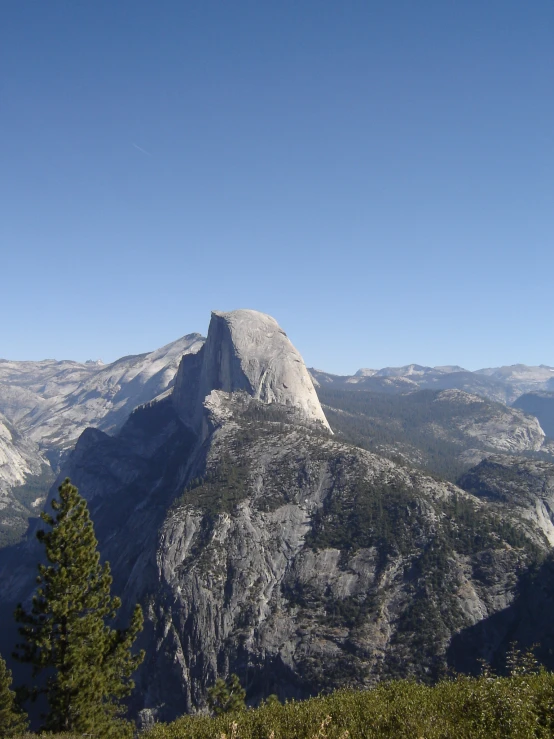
point(246, 351)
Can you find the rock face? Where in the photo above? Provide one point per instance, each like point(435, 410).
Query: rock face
point(274, 552)
point(246, 351)
point(541, 405)
point(19, 458)
point(20, 461)
point(526, 485)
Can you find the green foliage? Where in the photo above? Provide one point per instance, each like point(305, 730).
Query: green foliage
point(220, 490)
point(227, 696)
point(67, 634)
point(413, 424)
point(517, 707)
point(386, 514)
point(12, 720)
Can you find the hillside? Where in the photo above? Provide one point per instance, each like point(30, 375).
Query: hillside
point(445, 432)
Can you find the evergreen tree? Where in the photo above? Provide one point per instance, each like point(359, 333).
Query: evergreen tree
point(12, 720)
point(227, 696)
point(67, 633)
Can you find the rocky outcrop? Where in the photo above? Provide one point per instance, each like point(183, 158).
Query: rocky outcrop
point(541, 405)
point(19, 458)
point(21, 467)
point(524, 485)
point(245, 352)
point(495, 426)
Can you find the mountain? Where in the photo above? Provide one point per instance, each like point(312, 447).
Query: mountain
point(246, 351)
point(45, 406)
point(370, 382)
point(443, 431)
point(523, 484)
point(20, 462)
point(541, 405)
point(53, 402)
point(501, 384)
point(258, 543)
point(522, 378)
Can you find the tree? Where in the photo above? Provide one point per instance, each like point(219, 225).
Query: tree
point(67, 633)
point(12, 720)
point(227, 696)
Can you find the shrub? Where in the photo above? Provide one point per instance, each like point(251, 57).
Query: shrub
point(520, 706)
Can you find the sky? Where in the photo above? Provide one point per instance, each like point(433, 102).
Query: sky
point(378, 175)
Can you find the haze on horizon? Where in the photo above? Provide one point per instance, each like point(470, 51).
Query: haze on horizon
point(376, 176)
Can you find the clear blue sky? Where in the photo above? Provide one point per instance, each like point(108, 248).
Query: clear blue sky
point(378, 175)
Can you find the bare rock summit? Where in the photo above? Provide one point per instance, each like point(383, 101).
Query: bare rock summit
point(246, 352)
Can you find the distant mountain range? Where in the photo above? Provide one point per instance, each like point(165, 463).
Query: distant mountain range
point(502, 384)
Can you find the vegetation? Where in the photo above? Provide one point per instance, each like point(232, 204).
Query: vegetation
point(520, 706)
point(413, 425)
point(12, 720)
point(227, 696)
point(67, 635)
point(220, 490)
point(429, 536)
point(386, 514)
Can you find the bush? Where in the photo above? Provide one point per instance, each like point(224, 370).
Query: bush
point(516, 707)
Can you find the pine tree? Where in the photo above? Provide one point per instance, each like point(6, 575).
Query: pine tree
point(68, 633)
point(227, 696)
point(12, 720)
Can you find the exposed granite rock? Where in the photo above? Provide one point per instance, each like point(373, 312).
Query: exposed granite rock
point(521, 483)
point(53, 402)
point(541, 405)
point(22, 468)
point(246, 351)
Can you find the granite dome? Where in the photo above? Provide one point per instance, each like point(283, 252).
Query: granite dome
point(246, 351)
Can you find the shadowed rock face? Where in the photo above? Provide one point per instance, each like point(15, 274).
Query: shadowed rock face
point(246, 351)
